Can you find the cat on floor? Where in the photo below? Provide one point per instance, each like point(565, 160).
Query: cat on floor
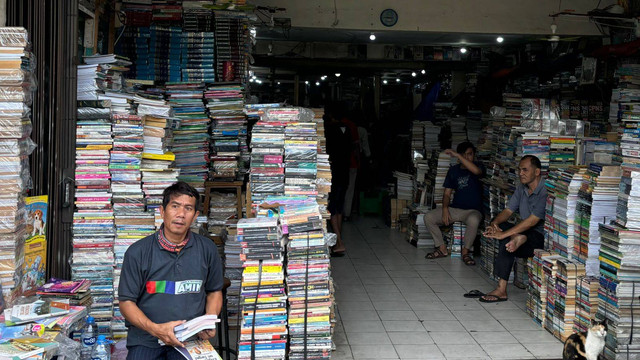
point(586, 345)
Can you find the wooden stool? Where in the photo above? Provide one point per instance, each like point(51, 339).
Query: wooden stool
point(225, 348)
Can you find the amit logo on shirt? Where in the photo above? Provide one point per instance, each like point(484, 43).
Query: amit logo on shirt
point(188, 287)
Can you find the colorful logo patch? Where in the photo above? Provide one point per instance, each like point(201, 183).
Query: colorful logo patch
point(174, 287)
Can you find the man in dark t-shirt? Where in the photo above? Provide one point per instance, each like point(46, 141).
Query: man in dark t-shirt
point(168, 278)
point(464, 179)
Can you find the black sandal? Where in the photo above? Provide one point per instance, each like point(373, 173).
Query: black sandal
point(468, 260)
point(435, 255)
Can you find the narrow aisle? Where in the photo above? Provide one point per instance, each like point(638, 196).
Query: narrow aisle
point(393, 303)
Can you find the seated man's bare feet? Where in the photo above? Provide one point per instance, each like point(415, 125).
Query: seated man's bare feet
point(515, 243)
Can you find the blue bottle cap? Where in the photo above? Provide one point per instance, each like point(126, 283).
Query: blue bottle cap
point(90, 319)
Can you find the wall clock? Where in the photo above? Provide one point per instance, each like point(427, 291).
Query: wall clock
point(388, 17)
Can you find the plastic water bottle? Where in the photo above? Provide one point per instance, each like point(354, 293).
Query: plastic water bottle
point(88, 338)
point(102, 350)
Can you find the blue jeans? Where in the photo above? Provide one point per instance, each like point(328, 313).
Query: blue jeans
point(145, 353)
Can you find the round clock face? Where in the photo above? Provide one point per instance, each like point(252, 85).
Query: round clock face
point(388, 17)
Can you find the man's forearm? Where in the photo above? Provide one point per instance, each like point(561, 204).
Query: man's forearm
point(136, 317)
point(446, 198)
point(522, 226)
point(214, 303)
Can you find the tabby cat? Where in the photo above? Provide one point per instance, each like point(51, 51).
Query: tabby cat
point(586, 345)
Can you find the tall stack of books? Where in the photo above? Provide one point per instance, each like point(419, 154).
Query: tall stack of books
point(404, 185)
point(417, 138)
point(191, 139)
point(233, 272)
point(157, 166)
point(562, 196)
point(15, 147)
point(561, 312)
point(323, 177)
point(586, 302)
point(539, 271)
point(598, 198)
point(232, 45)
point(457, 236)
point(228, 130)
point(301, 159)
point(431, 134)
point(308, 285)
point(512, 102)
point(93, 219)
point(131, 221)
point(536, 144)
point(267, 160)
point(458, 131)
point(442, 167)
point(263, 333)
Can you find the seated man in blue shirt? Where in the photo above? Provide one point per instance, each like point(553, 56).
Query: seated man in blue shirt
point(529, 200)
point(169, 277)
point(464, 179)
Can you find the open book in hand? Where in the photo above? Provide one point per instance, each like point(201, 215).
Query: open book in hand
point(194, 326)
point(198, 350)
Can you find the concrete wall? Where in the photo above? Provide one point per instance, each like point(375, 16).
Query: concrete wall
point(444, 16)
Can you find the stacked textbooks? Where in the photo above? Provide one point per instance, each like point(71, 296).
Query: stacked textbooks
point(191, 139)
point(228, 130)
point(537, 291)
point(263, 333)
point(157, 167)
point(562, 312)
point(442, 167)
point(562, 189)
point(15, 147)
point(93, 220)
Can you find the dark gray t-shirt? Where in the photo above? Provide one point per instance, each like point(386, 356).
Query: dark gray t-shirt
point(168, 286)
point(525, 204)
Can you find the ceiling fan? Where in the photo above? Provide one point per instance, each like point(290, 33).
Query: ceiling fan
point(556, 38)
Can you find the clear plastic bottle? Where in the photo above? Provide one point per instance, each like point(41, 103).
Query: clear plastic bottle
point(102, 350)
point(88, 338)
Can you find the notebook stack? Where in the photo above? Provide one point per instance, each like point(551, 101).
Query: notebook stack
point(308, 284)
point(267, 160)
point(165, 53)
point(586, 302)
point(15, 147)
point(93, 219)
point(562, 152)
point(537, 290)
point(228, 130)
point(562, 196)
point(301, 159)
point(232, 45)
point(561, 312)
point(263, 333)
point(191, 139)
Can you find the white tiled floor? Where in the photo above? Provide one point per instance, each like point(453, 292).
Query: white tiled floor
point(395, 304)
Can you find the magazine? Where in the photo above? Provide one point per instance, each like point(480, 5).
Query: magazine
point(198, 350)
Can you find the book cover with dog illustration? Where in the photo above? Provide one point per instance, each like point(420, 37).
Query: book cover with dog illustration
point(35, 248)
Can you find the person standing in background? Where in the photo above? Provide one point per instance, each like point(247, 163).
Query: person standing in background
point(354, 164)
point(339, 148)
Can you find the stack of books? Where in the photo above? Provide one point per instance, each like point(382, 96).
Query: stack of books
point(191, 139)
point(198, 57)
point(586, 302)
point(417, 138)
point(537, 290)
point(76, 293)
point(196, 17)
point(233, 272)
point(562, 197)
point(431, 134)
point(232, 45)
point(598, 198)
point(93, 219)
point(228, 130)
point(308, 282)
point(562, 152)
point(223, 212)
point(404, 186)
point(165, 52)
point(560, 321)
point(267, 160)
point(442, 167)
point(158, 171)
point(15, 147)
point(512, 102)
point(458, 131)
point(549, 272)
point(457, 236)
point(263, 333)
point(301, 159)
point(323, 176)
point(536, 144)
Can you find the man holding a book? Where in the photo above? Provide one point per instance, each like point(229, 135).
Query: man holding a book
point(168, 278)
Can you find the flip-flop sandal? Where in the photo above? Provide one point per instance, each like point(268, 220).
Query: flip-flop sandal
point(474, 294)
point(437, 254)
point(492, 299)
point(468, 260)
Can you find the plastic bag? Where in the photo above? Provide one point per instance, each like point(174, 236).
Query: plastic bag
point(67, 348)
point(330, 239)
